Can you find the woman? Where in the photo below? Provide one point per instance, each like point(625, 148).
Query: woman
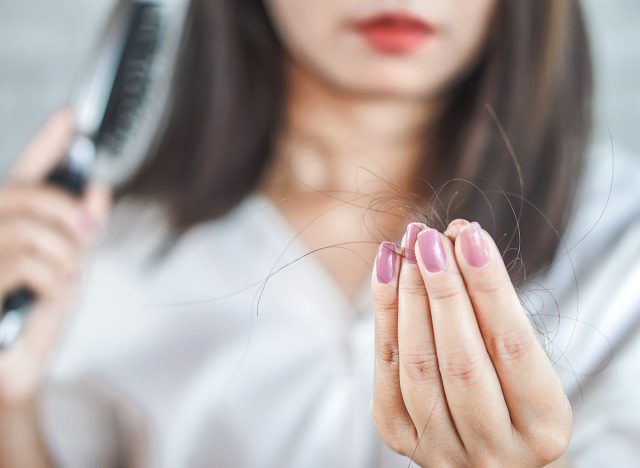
point(326, 127)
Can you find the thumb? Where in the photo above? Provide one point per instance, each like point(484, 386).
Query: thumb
point(97, 204)
point(45, 150)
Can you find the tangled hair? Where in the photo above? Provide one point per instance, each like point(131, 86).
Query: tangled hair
point(507, 147)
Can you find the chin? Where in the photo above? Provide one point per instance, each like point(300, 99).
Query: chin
point(385, 81)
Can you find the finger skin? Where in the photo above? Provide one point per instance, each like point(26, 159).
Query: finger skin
point(45, 150)
point(97, 203)
point(531, 388)
point(32, 237)
point(41, 276)
point(420, 381)
point(43, 232)
point(50, 205)
point(387, 407)
point(470, 383)
point(454, 228)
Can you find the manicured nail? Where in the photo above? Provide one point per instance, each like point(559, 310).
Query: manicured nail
point(473, 246)
point(410, 239)
point(386, 262)
point(432, 250)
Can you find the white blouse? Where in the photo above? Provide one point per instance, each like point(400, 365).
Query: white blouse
point(194, 360)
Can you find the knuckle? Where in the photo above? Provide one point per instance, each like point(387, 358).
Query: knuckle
point(395, 443)
point(549, 438)
point(550, 445)
point(486, 460)
point(25, 240)
point(488, 283)
point(385, 305)
point(387, 355)
point(420, 366)
point(510, 346)
point(460, 367)
point(446, 292)
point(411, 287)
point(396, 434)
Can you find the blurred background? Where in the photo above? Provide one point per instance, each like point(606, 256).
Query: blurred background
point(43, 44)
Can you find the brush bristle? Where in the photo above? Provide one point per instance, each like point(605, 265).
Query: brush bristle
point(133, 78)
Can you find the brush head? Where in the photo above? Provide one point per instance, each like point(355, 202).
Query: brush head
point(123, 100)
point(133, 76)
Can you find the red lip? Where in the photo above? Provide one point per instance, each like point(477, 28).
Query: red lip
point(395, 33)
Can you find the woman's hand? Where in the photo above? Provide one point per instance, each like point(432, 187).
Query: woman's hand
point(460, 379)
point(44, 233)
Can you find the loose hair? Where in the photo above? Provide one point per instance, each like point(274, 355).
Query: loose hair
point(506, 149)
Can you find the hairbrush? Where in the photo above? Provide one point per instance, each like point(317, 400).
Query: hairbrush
point(119, 107)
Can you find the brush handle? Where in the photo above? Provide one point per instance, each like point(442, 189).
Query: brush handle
point(17, 304)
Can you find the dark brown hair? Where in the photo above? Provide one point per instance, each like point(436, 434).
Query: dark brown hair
point(507, 148)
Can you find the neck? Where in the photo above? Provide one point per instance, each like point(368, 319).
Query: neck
point(338, 141)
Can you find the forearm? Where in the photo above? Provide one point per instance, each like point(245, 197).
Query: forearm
point(21, 442)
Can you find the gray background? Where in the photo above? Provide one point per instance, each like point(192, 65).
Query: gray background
point(43, 42)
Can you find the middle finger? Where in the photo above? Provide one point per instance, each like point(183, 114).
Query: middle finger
point(471, 386)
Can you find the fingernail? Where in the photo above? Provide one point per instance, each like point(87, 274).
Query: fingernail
point(455, 227)
point(432, 250)
point(473, 246)
point(386, 262)
point(410, 239)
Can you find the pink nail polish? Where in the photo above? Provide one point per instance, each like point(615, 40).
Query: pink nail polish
point(410, 239)
point(386, 262)
point(473, 246)
point(432, 250)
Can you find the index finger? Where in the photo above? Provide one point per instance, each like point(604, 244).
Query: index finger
point(388, 409)
point(45, 150)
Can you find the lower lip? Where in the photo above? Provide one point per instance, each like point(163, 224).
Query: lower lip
point(396, 36)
